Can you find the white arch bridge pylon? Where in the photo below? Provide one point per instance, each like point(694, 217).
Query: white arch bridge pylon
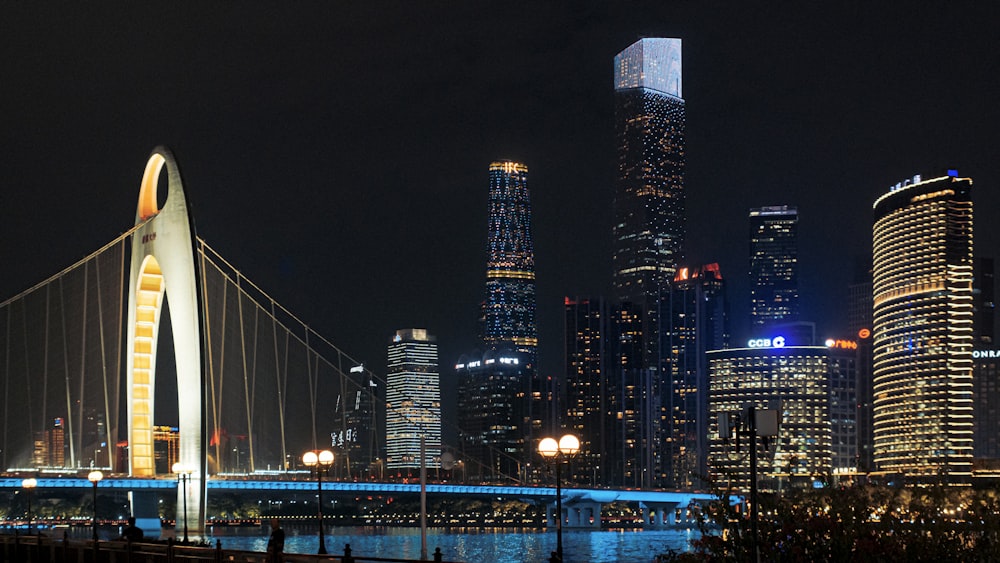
point(254, 383)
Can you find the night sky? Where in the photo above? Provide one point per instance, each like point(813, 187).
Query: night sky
point(337, 152)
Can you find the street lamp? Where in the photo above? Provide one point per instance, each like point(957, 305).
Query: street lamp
point(183, 474)
point(28, 485)
point(318, 462)
point(95, 478)
point(556, 452)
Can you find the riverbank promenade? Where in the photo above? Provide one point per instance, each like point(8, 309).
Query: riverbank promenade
point(19, 548)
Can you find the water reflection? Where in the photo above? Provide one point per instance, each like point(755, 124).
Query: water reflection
point(475, 545)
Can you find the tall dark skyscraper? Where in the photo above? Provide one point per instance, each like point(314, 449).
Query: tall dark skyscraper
point(503, 401)
point(509, 309)
point(774, 265)
point(699, 322)
point(649, 223)
point(585, 394)
point(923, 313)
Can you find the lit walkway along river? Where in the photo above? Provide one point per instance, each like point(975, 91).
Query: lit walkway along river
point(472, 545)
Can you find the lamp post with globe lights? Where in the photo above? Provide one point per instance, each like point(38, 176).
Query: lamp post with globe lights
point(318, 463)
point(29, 485)
point(95, 477)
point(557, 452)
point(183, 474)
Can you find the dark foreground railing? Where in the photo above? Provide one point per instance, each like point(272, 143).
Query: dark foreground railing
point(18, 548)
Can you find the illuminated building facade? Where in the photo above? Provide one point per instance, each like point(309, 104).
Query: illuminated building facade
point(166, 448)
point(859, 324)
point(774, 265)
point(698, 321)
point(986, 405)
point(510, 402)
point(493, 419)
point(413, 400)
point(649, 223)
point(923, 329)
point(50, 446)
point(648, 232)
point(355, 435)
point(509, 309)
point(812, 388)
point(585, 404)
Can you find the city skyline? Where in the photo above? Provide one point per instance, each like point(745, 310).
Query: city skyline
point(798, 112)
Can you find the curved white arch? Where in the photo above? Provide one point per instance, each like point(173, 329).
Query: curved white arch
point(163, 262)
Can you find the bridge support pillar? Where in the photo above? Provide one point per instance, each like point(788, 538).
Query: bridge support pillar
point(658, 514)
point(146, 510)
point(581, 514)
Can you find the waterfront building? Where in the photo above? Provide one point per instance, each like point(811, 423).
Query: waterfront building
point(812, 389)
point(986, 406)
point(493, 418)
point(513, 399)
point(584, 398)
point(413, 400)
point(166, 448)
point(774, 265)
point(859, 323)
point(509, 308)
point(649, 208)
point(50, 445)
point(698, 321)
point(355, 435)
point(923, 329)
point(648, 232)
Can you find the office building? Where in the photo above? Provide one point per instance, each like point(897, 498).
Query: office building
point(648, 237)
point(413, 401)
point(509, 308)
point(167, 449)
point(923, 329)
point(584, 403)
point(984, 302)
point(493, 420)
point(812, 389)
point(774, 265)
point(511, 402)
point(698, 322)
point(355, 435)
point(986, 406)
point(859, 324)
point(649, 206)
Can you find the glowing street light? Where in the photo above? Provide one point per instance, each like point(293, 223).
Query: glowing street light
point(556, 452)
point(318, 463)
point(29, 484)
point(95, 477)
point(183, 475)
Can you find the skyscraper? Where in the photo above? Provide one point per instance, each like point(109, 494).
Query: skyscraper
point(503, 405)
point(648, 231)
point(698, 320)
point(509, 309)
point(413, 400)
point(585, 400)
point(774, 265)
point(923, 329)
point(649, 206)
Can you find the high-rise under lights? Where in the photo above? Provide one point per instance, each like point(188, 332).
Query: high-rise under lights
point(923, 329)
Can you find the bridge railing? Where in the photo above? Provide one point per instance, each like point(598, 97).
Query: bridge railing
point(21, 548)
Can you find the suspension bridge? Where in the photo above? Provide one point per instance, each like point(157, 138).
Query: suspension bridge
point(81, 354)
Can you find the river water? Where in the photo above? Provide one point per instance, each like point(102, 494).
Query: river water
point(500, 545)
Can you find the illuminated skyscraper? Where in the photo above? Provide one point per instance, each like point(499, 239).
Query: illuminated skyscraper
point(774, 265)
point(413, 400)
point(923, 329)
point(649, 223)
point(509, 309)
point(585, 397)
point(813, 389)
point(698, 320)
